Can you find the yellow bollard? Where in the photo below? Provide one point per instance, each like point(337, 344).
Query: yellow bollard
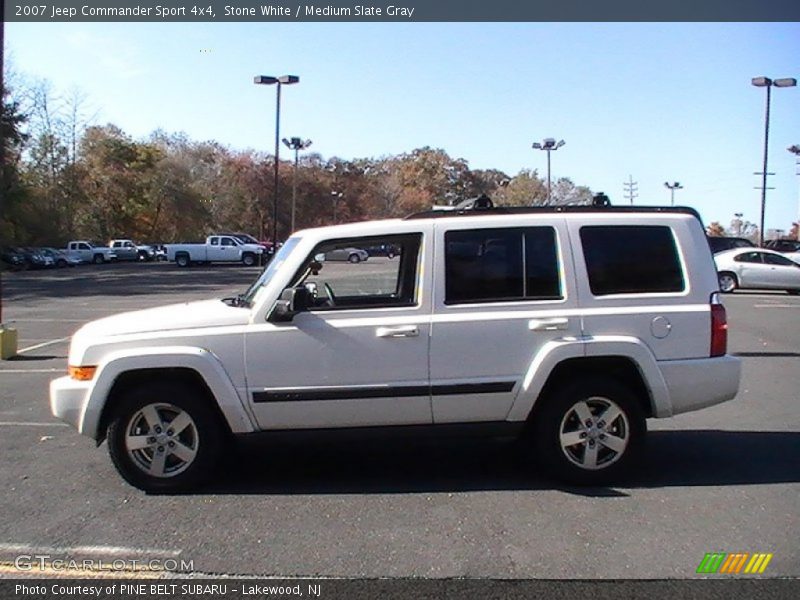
point(8, 342)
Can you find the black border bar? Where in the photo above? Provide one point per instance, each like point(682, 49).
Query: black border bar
point(403, 11)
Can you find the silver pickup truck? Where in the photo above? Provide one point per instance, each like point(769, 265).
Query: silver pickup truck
point(218, 248)
point(88, 252)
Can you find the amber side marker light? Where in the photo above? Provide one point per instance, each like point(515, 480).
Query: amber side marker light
point(82, 373)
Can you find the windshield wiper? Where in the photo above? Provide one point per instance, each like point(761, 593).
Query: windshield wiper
point(238, 300)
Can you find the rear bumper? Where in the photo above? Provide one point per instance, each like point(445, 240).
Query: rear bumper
point(698, 383)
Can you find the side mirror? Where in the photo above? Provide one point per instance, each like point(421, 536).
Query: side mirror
point(291, 302)
point(320, 258)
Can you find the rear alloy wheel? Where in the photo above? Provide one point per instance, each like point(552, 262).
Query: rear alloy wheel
point(590, 432)
point(164, 438)
point(182, 260)
point(728, 282)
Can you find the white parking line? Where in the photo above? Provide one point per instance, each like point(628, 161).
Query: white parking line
point(23, 320)
point(31, 424)
point(776, 306)
point(43, 344)
point(81, 550)
point(32, 371)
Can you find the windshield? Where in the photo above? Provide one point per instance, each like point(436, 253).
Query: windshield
point(272, 268)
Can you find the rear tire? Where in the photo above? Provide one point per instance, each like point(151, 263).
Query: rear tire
point(164, 437)
point(590, 432)
point(728, 282)
point(182, 260)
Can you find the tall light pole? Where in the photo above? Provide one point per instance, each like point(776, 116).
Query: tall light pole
point(282, 80)
point(295, 144)
point(548, 145)
point(336, 197)
point(767, 83)
point(795, 149)
point(672, 187)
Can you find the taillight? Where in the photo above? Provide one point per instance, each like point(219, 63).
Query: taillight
point(719, 327)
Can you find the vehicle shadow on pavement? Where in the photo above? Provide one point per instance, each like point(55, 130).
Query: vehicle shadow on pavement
point(673, 458)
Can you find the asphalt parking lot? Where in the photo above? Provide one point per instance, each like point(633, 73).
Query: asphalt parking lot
point(726, 479)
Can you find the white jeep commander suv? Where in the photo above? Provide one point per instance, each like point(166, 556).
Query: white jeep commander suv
point(567, 327)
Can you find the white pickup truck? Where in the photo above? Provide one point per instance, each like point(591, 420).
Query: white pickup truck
point(89, 252)
point(218, 248)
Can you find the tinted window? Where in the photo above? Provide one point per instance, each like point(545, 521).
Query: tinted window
point(494, 265)
point(749, 257)
point(772, 259)
point(631, 259)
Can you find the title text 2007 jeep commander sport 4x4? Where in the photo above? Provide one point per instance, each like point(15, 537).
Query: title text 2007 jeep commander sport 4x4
point(568, 327)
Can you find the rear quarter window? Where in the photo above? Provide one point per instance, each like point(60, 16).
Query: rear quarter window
point(631, 259)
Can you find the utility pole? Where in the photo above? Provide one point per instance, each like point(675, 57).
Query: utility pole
point(631, 189)
point(795, 149)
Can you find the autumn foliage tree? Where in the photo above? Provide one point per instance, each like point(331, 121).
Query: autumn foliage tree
point(97, 182)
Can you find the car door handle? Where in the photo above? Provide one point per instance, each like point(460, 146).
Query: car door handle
point(557, 324)
point(397, 332)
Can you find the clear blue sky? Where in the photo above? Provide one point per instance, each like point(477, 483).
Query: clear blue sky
point(656, 101)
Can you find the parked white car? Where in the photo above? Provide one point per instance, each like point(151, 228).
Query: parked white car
point(534, 323)
point(757, 268)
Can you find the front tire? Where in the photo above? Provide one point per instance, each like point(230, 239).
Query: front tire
point(98, 259)
point(248, 260)
point(354, 258)
point(590, 432)
point(164, 438)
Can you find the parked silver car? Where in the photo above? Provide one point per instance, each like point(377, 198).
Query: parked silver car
point(353, 255)
point(757, 268)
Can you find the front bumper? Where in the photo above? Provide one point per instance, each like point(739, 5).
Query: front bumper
point(68, 400)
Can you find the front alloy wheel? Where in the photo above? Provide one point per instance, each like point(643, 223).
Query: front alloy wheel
point(162, 440)
point(164, 437)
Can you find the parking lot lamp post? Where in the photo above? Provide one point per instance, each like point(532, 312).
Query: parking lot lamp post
point(295, 144)
point(672, 187)
point(336, 197)
point(766, 82)
point(279, 81)
point(795, 149)
point(548, 145)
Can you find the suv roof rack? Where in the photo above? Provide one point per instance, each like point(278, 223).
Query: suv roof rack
point(478, 207)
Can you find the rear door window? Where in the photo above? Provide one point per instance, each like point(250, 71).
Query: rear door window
point(631, 259)
point(501, 265)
